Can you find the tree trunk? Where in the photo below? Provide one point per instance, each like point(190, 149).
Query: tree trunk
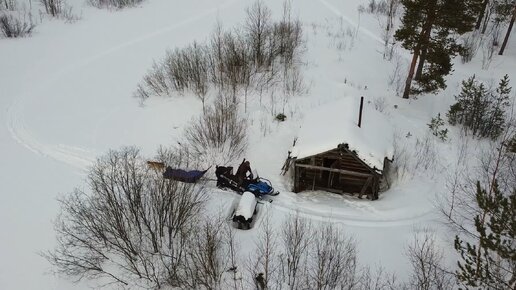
point(506, 39)
point(424, 49)
point(421, 64)
point(481, 15)
point(487, 18)
point(424, 38)
point(408, 82)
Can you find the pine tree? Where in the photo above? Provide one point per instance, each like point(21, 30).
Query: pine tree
point(470, 107)
point(481, 110)
point(490, 261)
point(499, 101)
point(426, 29)
point(436, 127)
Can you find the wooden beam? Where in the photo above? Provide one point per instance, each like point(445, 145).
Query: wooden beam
point(366, 185)
point(348, 172)
point(296, 179)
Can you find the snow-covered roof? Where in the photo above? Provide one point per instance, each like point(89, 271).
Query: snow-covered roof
point(329, 125)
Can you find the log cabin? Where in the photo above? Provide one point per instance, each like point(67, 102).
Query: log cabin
point(332, 153)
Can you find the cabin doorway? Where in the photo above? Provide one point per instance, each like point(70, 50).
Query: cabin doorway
point(326, 176)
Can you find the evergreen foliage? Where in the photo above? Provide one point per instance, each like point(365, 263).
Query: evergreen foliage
point(436, 125)
point(281, 117)
point(511, 145)
point(481, 110)
point(490, 262)
point(503, 10)
point(428, 29)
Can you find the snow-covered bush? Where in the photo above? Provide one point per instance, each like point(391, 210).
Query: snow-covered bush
point(187, 69)
point(287, 36)
point(60, 9)
point(219, 135)
point(400, 166)
point(10, 5)
point(425, 155)
point(114, 3)
point(53, 7)
point(470, 47)
point(380, 104)
point(14, 25)
point(412, 156)
point(377, 7)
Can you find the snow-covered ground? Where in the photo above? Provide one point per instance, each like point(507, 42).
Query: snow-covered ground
point(66, 97)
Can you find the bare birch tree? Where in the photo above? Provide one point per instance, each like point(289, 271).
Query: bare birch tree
point(258, 27)
point(428, 272)
point(333, 259)
point(264, 265)
point(131, 226)
point(297, 235)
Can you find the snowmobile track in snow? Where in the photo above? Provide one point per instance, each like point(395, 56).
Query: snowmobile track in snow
point(76, 157)
point(352, 220)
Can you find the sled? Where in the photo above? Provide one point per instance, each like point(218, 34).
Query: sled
point(181, 175)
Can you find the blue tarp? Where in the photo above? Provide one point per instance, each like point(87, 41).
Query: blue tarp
point(191, 176)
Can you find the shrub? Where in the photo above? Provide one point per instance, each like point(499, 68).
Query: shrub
point(379, 7)
point(281, 117)
point(231, 59)
point(114, 3)
point(12, 26)
point(288, 36)
point(53, 7)
point(10, 5)
point(219, 135)
point(59, 9)
point(469, 48)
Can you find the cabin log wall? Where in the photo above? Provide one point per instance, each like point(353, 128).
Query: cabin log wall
point(339, 171)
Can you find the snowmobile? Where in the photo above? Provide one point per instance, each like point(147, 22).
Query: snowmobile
point(257, 186)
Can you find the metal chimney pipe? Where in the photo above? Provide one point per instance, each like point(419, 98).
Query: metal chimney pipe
point(360, 113)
